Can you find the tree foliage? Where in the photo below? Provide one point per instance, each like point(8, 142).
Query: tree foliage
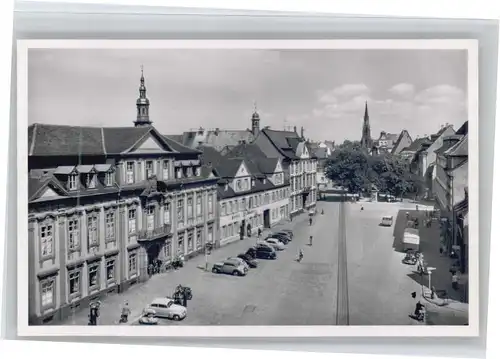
point(359, 172)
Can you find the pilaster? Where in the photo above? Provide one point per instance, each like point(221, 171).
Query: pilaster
point(63, 273)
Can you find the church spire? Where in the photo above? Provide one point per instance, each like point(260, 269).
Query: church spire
point(142, 104)
point(255, 120)
point(366, 139)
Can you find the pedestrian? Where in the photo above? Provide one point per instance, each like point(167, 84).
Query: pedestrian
point(125, 313)
point(311, 240)
point(441, 250)
point(454, 281)
point(310, 221)
point(301, 255)
point(259, 232)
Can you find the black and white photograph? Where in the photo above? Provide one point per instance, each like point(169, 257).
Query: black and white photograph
point(248, 187)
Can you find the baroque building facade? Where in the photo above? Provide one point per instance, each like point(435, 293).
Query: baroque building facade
point(104, 204)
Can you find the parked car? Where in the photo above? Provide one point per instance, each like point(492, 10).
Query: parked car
point(287, 231)
point(275, 243)
point(281, 237)
point(165, 307)
point(251, 252)
point(288, 234)
point(230, 266)
point(252, 263)
point(265, 251)
point(241, 260)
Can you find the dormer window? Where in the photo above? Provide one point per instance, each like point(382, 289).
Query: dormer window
point(90, 180)
point(239, 185)
point(179, 173)
point(264, 181)
point(108, 179)
point(253, 182)
point(72, 181)
point(226, 187)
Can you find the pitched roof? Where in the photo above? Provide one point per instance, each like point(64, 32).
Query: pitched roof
point(443, 148)
point(459, 149)
point(176, 138)
point(415, 145)
point(63, 140)
point(441, 131)
point(217, 138)
point(321, 152)
point(119, 139)
point(229, 167)
point(400, 138)
point(246, 150)
point(464, 129)
point(285, 142)
point(261, 184)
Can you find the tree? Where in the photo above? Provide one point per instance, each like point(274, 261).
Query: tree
point(356, 170)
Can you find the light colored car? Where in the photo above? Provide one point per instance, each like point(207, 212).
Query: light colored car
point(230, 266)
point(241, 261)
point(166, 308)
point(275, 243)
point(387, 221)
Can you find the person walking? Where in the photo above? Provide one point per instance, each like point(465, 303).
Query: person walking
point(301, 256)
point(311, 240)
point(259, 232)
point(454, 280)
point(125, 313)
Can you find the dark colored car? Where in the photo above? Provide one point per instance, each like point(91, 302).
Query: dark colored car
point(288, 232)
point(281, 237)
point(252, 263)
point(265, 251)
point(251, 252)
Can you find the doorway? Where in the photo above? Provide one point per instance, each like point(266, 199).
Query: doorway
point(267, 219)
point(153, 250)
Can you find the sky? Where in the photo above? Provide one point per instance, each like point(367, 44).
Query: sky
point(322, 90)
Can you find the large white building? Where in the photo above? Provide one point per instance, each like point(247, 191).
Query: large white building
point(252, 194)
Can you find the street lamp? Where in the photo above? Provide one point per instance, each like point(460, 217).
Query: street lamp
point(429, 271)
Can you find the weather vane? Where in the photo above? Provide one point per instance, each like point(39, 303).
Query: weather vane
point(255, 106)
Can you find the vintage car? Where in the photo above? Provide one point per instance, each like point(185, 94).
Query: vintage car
point(166, 308)
point(148, 317)
point(230, 266)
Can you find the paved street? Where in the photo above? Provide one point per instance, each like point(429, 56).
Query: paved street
point(279, 292)
point(373, 288)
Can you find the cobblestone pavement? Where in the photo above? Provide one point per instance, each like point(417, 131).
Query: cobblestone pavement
point(278, 292)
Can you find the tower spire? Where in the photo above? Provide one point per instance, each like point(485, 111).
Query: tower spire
point(366, 139)
point(255, 120)
point(142, 104)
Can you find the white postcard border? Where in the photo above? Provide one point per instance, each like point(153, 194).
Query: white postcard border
point(246, 331)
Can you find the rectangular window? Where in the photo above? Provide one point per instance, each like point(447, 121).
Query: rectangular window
point(198, 205)
point(166, 214)
point(93, 276)
point(198, 238)
point(190, 207)
point(47, 238)
point(231, 209)
point(149, 169)
point(180, 210)
point(150, 212)
point(190, 241)
point(189, 171)
point(74, 282)
point(180, 243)
point(132, 263)
point(210, 238)
point(130, 172)
point(178, 173)
point(72, 182)
point(92, 231)
point(110, 226)
point(198, 171)
point(210, 204)
point(223, 209)
point(167, 249)
point(108, 179)
point(132, 220)
point(242, 206)
point(224, 231)
point(166, 169)
point(110, 269)
point(73, 235)
point(90, 180)
point(48, 292)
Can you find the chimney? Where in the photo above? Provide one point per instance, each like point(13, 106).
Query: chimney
point(302, 132)
point(295, 129)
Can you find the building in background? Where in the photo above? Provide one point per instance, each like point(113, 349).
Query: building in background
point(253, 191)
point(385, 142)
point(451, 191)
point(105, 203)
point(298, 162)
point(404, 140)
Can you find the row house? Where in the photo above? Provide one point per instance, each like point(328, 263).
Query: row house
point(104, 204)
point(253, 192)
point(299, 163)
point(450, 190)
